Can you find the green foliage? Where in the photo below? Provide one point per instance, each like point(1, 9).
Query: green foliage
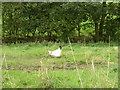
point(87, 28)
point(60, 20)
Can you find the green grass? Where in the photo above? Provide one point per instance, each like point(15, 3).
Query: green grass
point(30, 66)
point(60, 78)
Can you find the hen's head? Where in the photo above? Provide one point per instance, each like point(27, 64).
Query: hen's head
point(60, 47)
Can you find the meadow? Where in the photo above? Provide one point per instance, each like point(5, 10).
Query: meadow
point(90, 65)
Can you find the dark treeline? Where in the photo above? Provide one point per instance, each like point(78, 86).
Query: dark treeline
point(50, 21)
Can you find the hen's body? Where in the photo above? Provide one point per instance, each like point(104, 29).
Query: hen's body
point(56, 53)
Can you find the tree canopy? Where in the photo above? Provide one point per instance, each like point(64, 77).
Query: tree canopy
point(56, 21)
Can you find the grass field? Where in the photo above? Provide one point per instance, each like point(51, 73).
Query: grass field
point(29, 65)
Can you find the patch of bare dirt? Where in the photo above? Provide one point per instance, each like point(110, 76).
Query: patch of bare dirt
point(56, 66)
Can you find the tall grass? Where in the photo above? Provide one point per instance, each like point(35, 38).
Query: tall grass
point(1, 61)
point(80, 66)
point(75, 63)
point(10, 79)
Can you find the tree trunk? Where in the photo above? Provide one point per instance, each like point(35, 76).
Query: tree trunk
point(96, 38)
point(78, 32)
point(11, 19)
point(102, 21)
point(49, 36)
point(15, 33)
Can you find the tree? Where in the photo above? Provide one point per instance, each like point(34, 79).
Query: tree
point(57, 21)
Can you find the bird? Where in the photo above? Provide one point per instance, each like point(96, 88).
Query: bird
point(56, 53)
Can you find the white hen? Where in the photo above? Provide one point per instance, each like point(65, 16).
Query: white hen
point(56, 53)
